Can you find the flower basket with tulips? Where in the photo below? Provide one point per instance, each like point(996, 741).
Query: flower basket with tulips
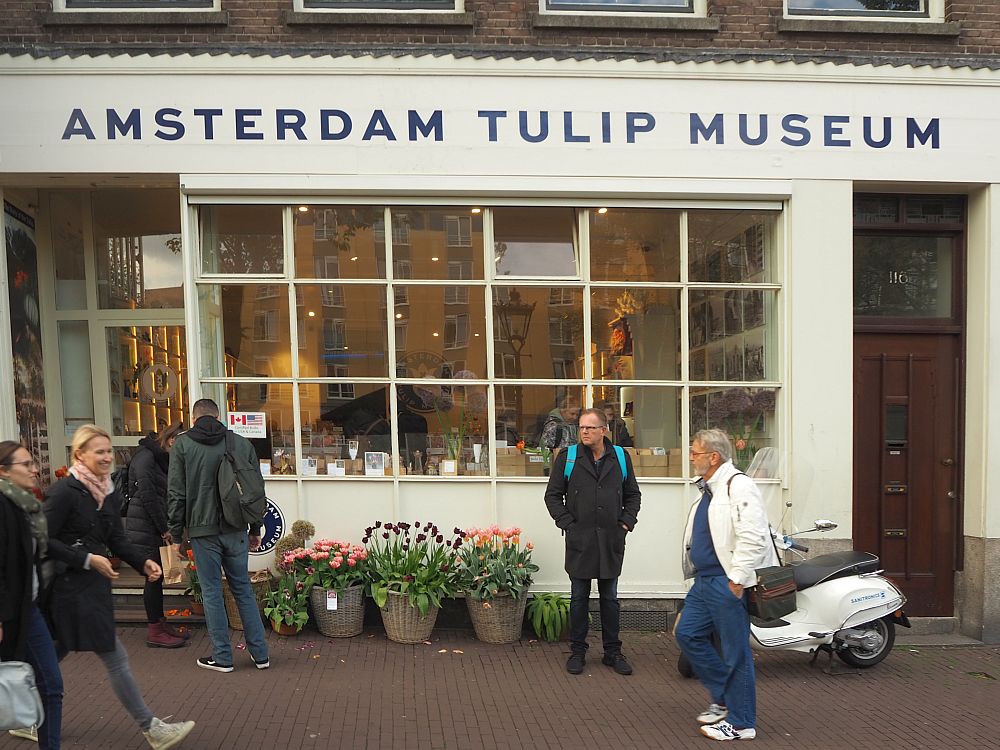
point(495, 571)
point(287, 604)
point(333, 571)
point(413, 560)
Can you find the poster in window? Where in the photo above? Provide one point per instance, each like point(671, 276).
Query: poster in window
point(753, 357)
point(716, 318)
point(753, 309)
point(734, 359)
point(734, 313)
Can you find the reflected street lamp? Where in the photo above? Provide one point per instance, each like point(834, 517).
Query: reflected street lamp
point(514, 318)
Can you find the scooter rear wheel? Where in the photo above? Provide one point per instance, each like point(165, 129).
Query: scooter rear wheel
point(862, 658)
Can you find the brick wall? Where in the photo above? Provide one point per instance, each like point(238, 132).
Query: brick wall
point(246, 25)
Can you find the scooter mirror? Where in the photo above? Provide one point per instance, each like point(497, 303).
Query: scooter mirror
point(824, 524)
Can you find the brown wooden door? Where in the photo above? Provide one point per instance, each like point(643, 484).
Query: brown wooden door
point(906, 467)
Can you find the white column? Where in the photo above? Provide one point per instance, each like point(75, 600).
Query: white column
point(8, 415)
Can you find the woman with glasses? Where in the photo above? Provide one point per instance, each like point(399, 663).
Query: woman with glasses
point(23, 631)
point(84, 517)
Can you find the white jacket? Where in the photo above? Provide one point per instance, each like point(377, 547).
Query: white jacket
point(738, 522)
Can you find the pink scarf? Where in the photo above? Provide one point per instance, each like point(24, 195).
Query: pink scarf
point(100, 489)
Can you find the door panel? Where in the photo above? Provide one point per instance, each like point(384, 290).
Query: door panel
point(905, 462)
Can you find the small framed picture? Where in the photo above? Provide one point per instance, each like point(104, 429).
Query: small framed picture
point(336, 468)
point(449, 467)
point(658, 451)
point(374, 464)
point(307, 467)
point(265, 468)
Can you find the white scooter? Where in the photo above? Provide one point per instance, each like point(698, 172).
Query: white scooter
point(843, 607)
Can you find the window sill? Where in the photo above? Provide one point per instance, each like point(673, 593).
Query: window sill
point(600, 21)
point(826, 26)
point(137, 18)
point(374, 18)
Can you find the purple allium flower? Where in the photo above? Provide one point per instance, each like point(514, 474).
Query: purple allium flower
point(737, 401)
point(717, 412)
point(763, 401)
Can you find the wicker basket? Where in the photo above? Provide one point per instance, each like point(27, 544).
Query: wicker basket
point(345, 621)
point(260, 582)
point(403, 623)
point(498, 621)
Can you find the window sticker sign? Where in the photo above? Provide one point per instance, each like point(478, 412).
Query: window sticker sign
point(249, 424)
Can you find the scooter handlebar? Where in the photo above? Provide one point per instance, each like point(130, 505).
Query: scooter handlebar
point(792, 544)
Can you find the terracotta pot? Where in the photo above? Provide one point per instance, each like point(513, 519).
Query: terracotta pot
point(282, 629)
point(197, 608)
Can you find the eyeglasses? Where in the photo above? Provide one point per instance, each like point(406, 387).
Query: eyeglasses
point(700, 453)
point(588, 428)
point(29, 463)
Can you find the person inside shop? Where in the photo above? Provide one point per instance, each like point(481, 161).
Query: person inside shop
point(559, 429)
point(24, 635)
point(83, 513)
point(617, 429)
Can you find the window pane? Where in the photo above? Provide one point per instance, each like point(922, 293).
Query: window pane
point(245, 330)
point(437, 243)
point(538, 332)
point(732, 334)
point(535, 241)
point(77, 391)
point(241, 239)
point(648, 419)
point(445, 326)
point(860, 6)
point(747, 415)
point(275, 400)
point(441, 423)
point(335, 414)
point(876, 209)
point(147, 372)
point(899, 276)
point(636, 333)
point(638, 244)
point(544, 417)
point(622, 5)
point(339, 242)
point(342, 330)
point(138, 247)
point(730, 246)
point(386, 4)
point(138, 4)
point(67, 249)
point(935, 209)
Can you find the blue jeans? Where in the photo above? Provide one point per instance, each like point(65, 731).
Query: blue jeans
point(229, 552)
point(711, 607)
point(579, 614)
point(41, 655)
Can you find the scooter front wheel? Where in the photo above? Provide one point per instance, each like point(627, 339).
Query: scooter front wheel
point(863, 658)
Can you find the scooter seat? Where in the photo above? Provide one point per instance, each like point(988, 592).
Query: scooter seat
point(834, 565)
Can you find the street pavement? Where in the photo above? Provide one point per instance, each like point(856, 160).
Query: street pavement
point(455, 692)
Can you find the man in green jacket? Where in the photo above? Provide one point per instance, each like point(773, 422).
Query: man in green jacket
point(193, 503)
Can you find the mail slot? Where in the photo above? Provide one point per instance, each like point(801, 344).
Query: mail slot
point(895, 489)
point(895, 532)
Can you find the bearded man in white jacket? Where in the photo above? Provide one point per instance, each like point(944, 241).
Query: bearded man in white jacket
point(726, 539)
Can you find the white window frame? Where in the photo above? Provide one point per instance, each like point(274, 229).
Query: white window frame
point(334, 340)
point(267, 291)
point(158, 6)
point(379, 6)
point(935, 14)
point(564, 327)
point(401, 327)
point(332, 295)
point(270, 322)
point(454, 336)
point(695, 9)
point(462, 233)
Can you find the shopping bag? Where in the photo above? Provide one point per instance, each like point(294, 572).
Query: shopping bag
point(170, 561)
point(774, 595)
point(20, 703)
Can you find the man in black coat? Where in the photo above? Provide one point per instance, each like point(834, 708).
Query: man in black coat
point(595, 507)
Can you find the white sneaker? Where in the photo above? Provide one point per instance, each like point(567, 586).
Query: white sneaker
point(25, 733)
point(160, 735)
point(724, 731)
point(713, 714)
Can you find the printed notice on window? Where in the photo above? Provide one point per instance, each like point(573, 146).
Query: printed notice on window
point(249, 424)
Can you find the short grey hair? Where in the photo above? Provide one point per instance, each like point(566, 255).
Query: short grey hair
point(715, 441)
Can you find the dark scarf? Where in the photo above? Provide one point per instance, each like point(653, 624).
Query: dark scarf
point(28, 503)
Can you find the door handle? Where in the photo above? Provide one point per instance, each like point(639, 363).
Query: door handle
point(947, 461)
point(952, 494)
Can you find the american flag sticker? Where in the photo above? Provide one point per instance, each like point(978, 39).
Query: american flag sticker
point(249, 424)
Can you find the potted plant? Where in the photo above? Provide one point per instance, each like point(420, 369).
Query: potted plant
point(494, 571)
point(334, 572)
point(193, 589)
point(549, 615)
point(411, 569)
point(285, 606)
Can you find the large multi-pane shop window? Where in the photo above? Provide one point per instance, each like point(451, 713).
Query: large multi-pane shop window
point(410, 341)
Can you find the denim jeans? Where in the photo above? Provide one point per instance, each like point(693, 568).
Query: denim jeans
point(124, 685)
point(40, 653)
point(579, 614)
point(711, 607)
point(229, 552)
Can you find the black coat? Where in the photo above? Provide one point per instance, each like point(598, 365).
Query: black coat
point(17, 559)
point(82, 608)
point(147, 510)
point(591, 510)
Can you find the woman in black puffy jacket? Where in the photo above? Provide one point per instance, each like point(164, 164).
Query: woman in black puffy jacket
point(146, 526)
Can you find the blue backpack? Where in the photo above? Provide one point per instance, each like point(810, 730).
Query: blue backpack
point(571, 461)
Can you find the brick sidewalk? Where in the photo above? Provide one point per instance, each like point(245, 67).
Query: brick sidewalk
point(367, 692)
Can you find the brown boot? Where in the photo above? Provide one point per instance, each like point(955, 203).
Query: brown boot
point(158, 637)
point(174, 631)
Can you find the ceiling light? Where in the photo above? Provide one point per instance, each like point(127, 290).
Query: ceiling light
point(602, 210)
point(434, 257)
point(435, 333)
point(312, 314)
point(399, 315)
point(477, 210)
point(476, 335)
point(355, 257)
point(303, 209)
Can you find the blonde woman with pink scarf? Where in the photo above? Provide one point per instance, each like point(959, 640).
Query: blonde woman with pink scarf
point(83, 512)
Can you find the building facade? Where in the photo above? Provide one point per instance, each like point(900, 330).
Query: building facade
point(403, 242)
